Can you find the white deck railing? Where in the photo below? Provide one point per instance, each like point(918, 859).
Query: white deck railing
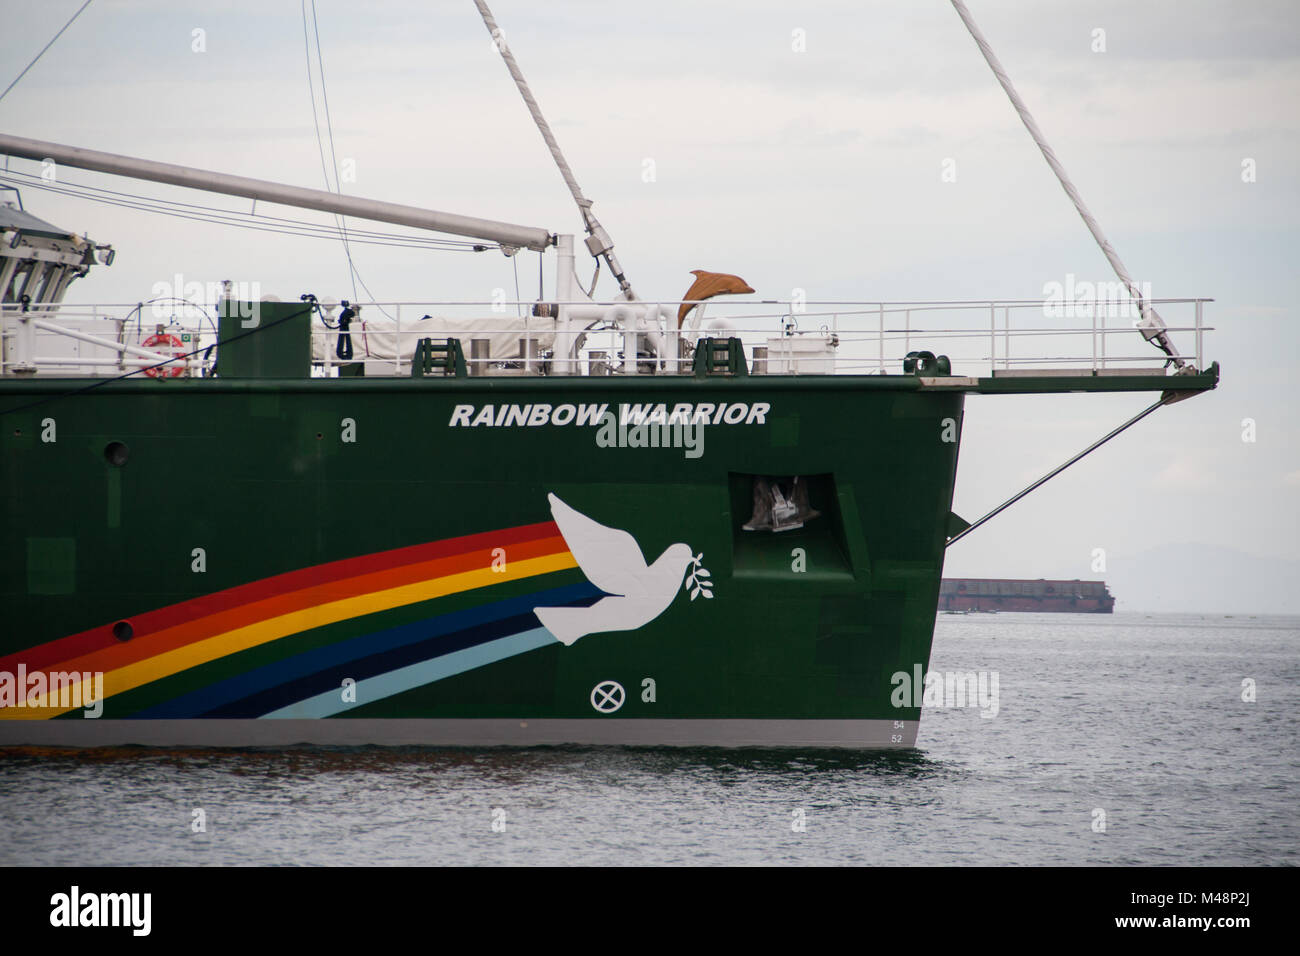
point(980, 337)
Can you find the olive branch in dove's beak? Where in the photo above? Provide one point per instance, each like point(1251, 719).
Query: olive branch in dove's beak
point(697, 582)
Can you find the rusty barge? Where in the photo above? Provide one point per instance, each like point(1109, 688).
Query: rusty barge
point(1011, 594)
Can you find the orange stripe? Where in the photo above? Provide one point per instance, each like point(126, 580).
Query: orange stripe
point(43, 656)
point(262, 632)
point(169, 639)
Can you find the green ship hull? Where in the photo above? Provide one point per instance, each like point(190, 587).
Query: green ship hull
point(160, 569)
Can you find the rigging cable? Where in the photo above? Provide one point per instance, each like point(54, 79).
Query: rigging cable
point(1152, 326)
point(600, 243)
point(138, 312)
point(43, 49)
point(336, 186)
point(320, 145)
point(519, 305)
point(223, 217)
point(1167, 398)
point(259, 218)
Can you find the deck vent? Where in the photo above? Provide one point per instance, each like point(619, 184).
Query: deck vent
point(438, 357)
point(720, 357)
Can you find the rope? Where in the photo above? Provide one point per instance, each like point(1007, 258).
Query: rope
point(584, 204)
point(1155, 326)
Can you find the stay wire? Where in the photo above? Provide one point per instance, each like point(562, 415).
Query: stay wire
point(38, 183)
point(43, 49)
point(1164, 400)
point(239, 220)
point(337, 187)
point(320, 145)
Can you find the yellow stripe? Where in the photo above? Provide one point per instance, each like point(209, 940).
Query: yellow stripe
point(263, 632)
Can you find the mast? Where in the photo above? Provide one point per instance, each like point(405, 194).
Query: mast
point(504, 233)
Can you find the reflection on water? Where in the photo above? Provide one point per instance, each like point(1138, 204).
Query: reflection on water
point(501, 766)
point(1140, 718)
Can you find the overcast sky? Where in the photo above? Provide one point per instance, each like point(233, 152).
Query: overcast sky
point(818, 169)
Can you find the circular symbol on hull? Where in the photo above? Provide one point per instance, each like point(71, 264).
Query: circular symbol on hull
point(608, 696)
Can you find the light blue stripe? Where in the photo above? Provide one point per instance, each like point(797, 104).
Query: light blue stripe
point(417, 675)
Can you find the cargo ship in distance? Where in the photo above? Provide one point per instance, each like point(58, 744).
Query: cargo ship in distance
point(1012, 594)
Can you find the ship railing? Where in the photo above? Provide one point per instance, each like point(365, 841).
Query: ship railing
point(999, 337)
point(100, 340)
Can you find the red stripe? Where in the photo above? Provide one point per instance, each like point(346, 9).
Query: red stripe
point(98, 638)
point(146, 645)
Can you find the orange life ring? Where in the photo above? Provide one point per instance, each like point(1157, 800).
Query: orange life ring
point(167, 342)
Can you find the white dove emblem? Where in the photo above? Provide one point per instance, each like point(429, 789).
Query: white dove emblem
point(612, 560)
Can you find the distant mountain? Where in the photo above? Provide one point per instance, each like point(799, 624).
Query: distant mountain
point(1203, 578)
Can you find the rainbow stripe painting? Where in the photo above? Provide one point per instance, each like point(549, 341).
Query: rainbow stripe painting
point(311, 642)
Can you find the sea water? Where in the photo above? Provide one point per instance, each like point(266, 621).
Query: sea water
point(1117, 739)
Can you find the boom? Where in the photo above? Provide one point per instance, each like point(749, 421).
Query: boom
point(507, 234)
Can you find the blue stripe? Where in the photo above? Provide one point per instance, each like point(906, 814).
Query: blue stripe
point(217, 698)
point(417, 675)
point(331, 678)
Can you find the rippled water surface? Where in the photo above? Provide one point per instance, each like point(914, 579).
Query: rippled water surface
point(1140, 717)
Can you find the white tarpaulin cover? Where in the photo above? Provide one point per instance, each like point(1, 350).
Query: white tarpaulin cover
point(376, 337)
